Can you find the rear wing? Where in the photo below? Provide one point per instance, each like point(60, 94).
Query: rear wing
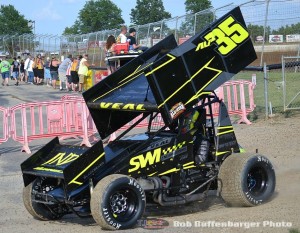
point(74, 165)
point(168, 78)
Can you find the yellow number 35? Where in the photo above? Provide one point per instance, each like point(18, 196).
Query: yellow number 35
point(227, 35)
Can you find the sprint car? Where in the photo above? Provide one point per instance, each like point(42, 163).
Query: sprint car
point(184, 152)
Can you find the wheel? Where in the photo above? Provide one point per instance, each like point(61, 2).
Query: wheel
point(117, 202)
point(38, 210)
point(246, 180)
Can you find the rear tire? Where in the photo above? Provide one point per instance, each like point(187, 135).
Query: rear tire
point(246, 180)
point(39, 211)
point(117, 202)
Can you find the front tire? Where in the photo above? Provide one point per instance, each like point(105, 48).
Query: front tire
point(117, 202)
point(246, 180)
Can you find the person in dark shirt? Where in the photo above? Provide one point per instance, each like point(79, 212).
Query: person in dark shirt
point(132, 41)
point(22, 71)
point(15, 67)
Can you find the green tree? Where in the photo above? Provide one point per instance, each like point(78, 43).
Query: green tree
point(12, 22)
point(148, 11)
point(96, 15)
point(203, 16)
point(288, 29)
point(194, 6)
point(12, 25)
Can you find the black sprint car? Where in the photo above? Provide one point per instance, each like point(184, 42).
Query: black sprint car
point(177, 163)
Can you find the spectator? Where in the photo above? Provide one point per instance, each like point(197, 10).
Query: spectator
point(47, 72)
point(132, 41)
point(15, 67)
point(74, 72)
point(83, 71)
point(122, 37)
point(54, 63)
point(38, 70)
point(22, 71)
point(69, 77)
point(4, 66)
point(26, 66)
point(62, 70)
point(109, 49)
point(30, 72)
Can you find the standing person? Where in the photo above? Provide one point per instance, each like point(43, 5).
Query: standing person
point(5, 66)
point(74, 72)
point(54, 71)
point(22, 70)
point(83, 71)
point(47, 72)
point(30, 72)
point(26, 67)
point(15, 68)
point(38, 70)
point(132, 41)
point(109, 49)
point(62, 70)
point(69, 77)
point(122, 37)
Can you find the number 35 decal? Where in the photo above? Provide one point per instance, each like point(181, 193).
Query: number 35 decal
point(227, 35)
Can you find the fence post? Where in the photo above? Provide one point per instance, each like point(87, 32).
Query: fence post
point(25, 147)
point(266, 90)
point(283, 82)
point(85, 140)
point(265, 26)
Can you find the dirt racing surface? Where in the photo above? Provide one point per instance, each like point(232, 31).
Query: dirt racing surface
point(278, 139)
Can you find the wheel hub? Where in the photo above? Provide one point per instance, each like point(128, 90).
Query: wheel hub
point(251, 183)
point(257, 180)
point(118, 203)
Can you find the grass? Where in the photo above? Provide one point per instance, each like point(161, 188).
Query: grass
point(275, 91)
point(294, 231)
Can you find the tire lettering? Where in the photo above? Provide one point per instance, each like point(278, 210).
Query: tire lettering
point(109, 219)
point(135, 184)
point(251, 199)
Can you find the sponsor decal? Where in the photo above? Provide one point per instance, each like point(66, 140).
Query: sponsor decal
point(122, 106)
point(152, 223)
point(176, 110)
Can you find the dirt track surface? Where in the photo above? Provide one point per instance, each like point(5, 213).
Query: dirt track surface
point(277, 138)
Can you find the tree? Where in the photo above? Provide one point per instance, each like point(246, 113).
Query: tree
point(194, 6)
point(96, 15)
point(12, 22)
point(203, 16)
point(12, 25)
point(288, 29)
point(148, 11)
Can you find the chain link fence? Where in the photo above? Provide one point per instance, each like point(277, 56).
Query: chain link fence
point(266, 21)
point(291, 83)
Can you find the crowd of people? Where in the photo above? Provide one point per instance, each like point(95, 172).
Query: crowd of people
point(71, 71)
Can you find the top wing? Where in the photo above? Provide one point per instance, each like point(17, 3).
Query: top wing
point(201, 64)
point(168, 77)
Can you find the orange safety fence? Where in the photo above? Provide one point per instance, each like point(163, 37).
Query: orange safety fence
point(50, 119)
point(238, 101)
point(4, 130)
point(70, 117)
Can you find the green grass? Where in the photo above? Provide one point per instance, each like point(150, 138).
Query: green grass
point(294, 231)
point(275, 90)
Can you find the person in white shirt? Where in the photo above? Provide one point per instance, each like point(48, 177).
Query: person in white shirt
point(26, 67)
point(30, 71)
point(122, 37)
